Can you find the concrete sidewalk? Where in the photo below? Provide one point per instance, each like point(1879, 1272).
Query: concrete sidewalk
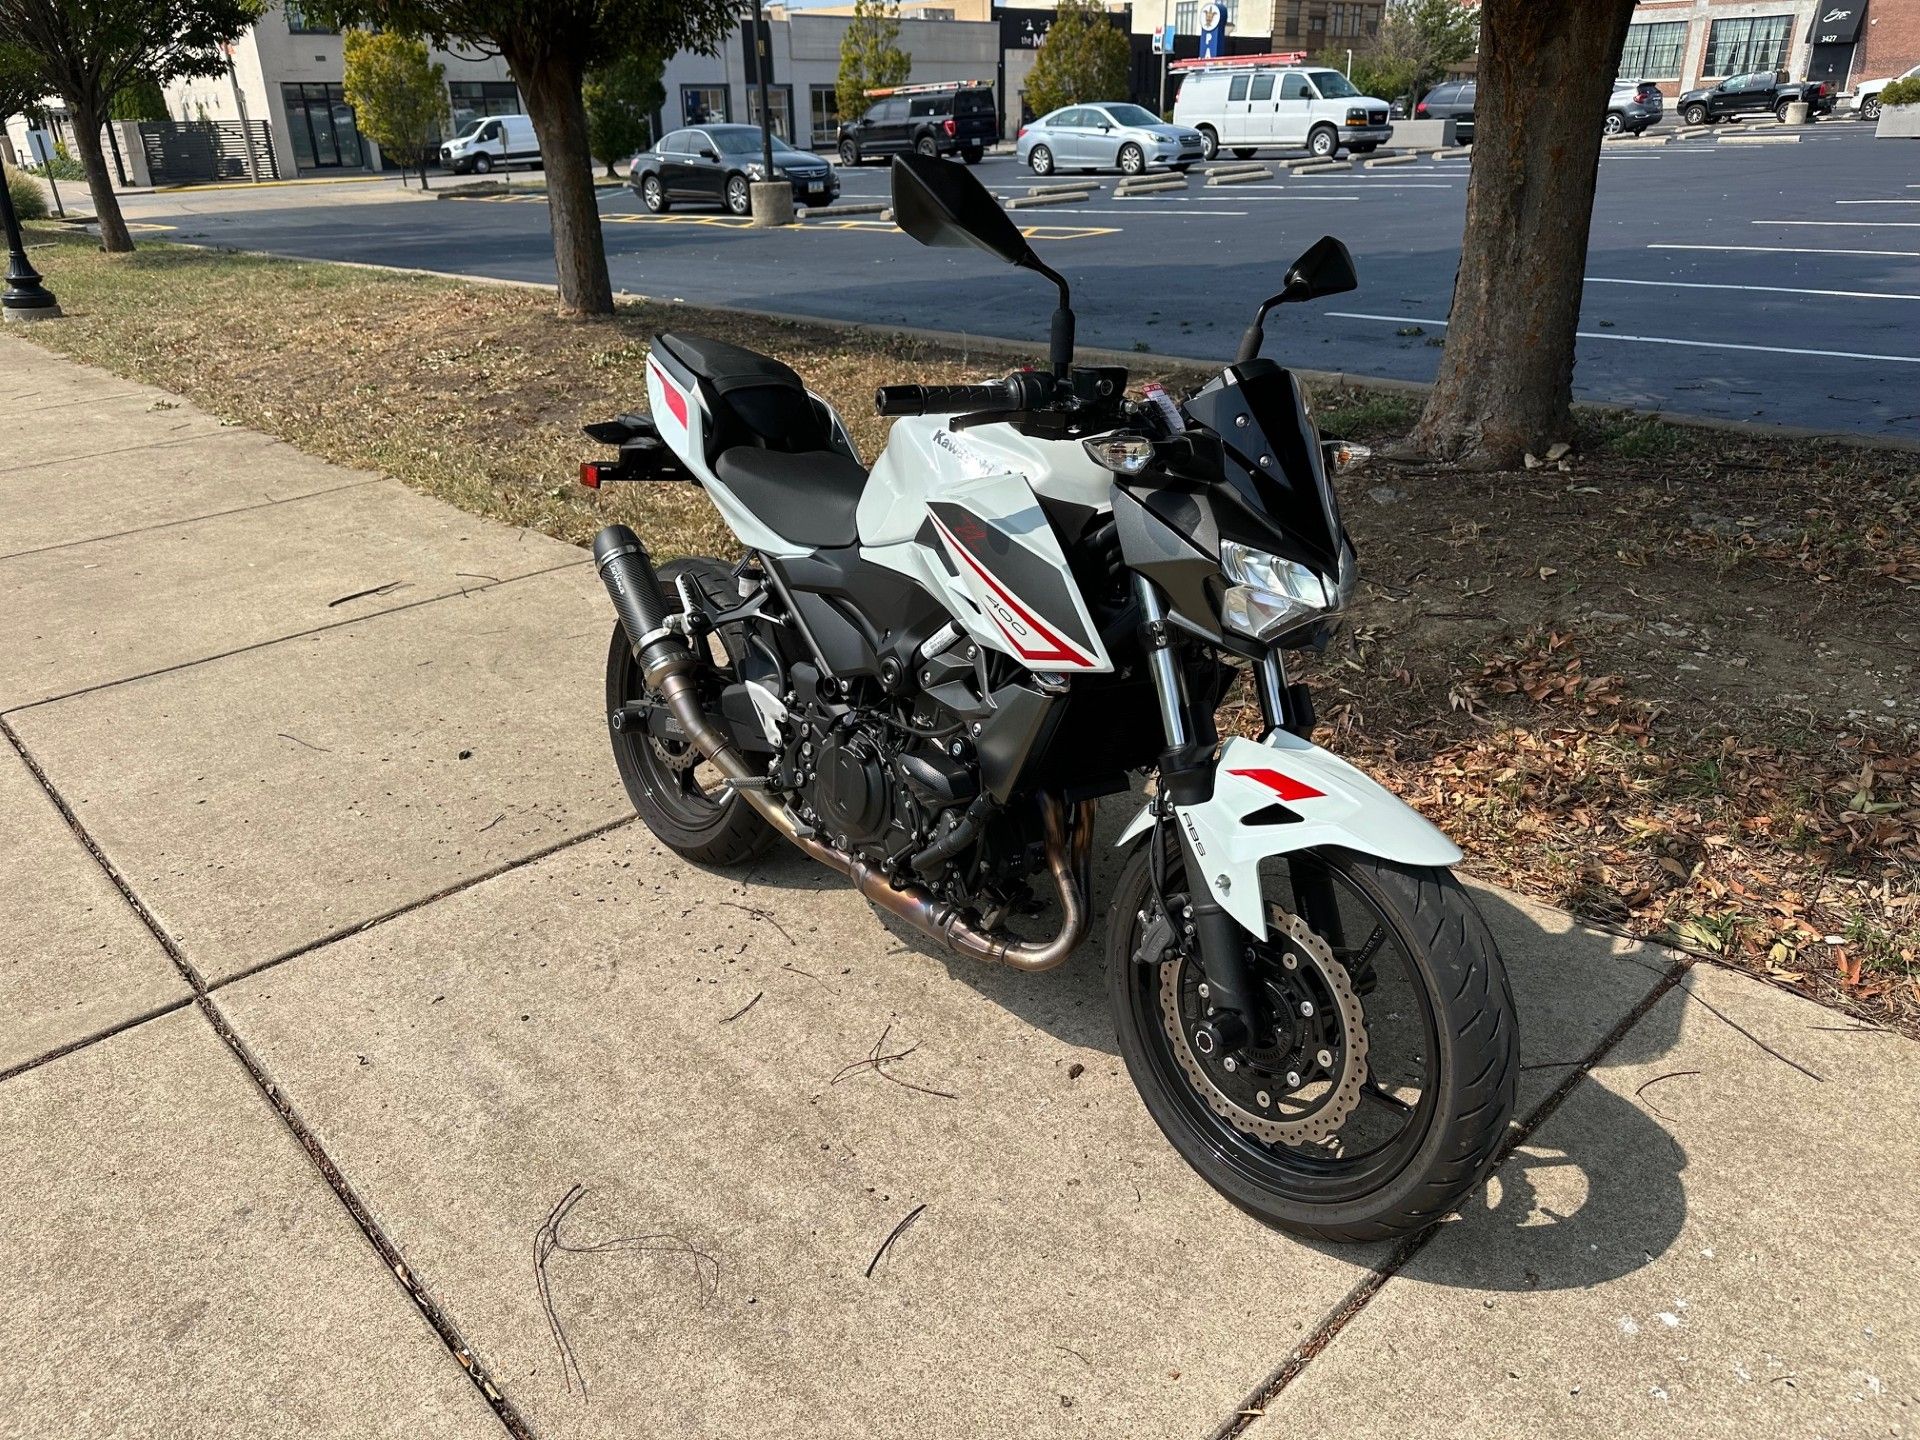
point(331, 963)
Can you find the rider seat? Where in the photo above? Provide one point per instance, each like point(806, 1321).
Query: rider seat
point(772, 444)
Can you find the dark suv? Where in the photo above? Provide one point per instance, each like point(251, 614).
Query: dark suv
point(952, 119)
point(1452, 101)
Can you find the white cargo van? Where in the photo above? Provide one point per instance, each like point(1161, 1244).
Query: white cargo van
point(1245, 103)
point(491, 142)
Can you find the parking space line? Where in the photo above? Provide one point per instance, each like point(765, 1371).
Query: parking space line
point(1793, 350)
point(1792, 250)
point(1759, 289)
point(1877, 202)
point(1849, 224)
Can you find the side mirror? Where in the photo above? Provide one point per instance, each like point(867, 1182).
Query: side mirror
point(941, 205)
point(1326, 268)
point(707, 152)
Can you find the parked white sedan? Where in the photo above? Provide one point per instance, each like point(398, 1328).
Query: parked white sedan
point(1127, 138)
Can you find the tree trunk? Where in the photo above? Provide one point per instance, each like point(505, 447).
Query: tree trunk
point(114, 236)
point(1506, 378)
point(552, 86)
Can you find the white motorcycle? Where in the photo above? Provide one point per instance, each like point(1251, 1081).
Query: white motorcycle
point(925, 675)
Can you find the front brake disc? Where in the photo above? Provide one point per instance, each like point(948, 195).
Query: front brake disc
point(1332, 1109)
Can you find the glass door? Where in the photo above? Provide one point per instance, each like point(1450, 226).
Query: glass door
point(321, 126)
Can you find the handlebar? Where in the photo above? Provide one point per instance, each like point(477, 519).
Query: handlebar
point(1022, 390)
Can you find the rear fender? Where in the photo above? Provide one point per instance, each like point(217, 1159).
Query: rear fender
point(1283, 794)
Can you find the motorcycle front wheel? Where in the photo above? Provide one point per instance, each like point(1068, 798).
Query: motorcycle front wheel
point(1379, 1083)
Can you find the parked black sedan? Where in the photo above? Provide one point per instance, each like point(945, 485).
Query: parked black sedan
point(717, 164)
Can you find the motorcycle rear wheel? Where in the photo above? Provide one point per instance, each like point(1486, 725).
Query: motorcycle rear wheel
point(1421, 1128)
point(676, 793)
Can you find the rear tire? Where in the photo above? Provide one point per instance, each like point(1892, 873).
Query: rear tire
point(708, 827)
point(1040, 160)
point(1614, 123)
point(1451, 1132)
point(849, 154)
point(654, 195)
point(1243, 152)
point(1780, 111)
point(928, 146)
point(974, 157)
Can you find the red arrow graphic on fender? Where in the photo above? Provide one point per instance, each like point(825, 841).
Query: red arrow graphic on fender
point(1285, 786)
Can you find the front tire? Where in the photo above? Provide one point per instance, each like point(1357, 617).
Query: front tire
point(1446, 1005)
point(739, 195)
point(483, 164)
point(1695, 115)
point(1132, 160)
point(1323, 142)
point(675, 793)
point(1870, 108)
point(1209, 143)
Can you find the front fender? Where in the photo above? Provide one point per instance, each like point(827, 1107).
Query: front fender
point(1283, 794)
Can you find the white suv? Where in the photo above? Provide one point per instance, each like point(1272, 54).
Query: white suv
point(1866, 99)
point(1242, 106)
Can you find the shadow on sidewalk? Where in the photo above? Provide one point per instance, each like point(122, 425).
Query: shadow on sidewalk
point(1626, 1165)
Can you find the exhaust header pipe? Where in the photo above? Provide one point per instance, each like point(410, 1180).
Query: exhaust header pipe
point(667, 663)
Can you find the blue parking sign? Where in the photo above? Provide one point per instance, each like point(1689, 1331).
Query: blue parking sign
point(1213, 30)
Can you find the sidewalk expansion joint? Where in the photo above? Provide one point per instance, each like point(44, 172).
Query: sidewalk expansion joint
point(459, 594)
point(503, 1408)
point(192, 519)
point(126, 449)
point(1357, 1299)
point(360, 927)
point(119, 1028)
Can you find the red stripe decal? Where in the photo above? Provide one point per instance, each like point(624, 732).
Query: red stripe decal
point(1062, 649)
point(676, 402)
point(1284, 786)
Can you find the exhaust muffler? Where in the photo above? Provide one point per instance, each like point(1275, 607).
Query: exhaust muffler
point(667, 662)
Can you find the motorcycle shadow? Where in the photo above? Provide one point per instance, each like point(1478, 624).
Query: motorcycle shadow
point(1594, 1191)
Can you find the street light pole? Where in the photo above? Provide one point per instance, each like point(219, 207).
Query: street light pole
point(25, 297)
point(761, 56)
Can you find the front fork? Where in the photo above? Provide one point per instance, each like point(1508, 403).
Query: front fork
point(1186, 778)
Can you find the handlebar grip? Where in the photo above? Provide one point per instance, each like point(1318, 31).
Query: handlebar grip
point(947, 399)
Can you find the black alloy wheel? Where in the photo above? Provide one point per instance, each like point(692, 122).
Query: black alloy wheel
point(1381, 1085)
point(672, 787)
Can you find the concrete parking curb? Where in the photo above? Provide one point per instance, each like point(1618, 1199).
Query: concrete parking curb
point(1379, 160)
point(1759, 140)
point(1028, 202)
point(1065, 189)
point(1324, 169)
point(1239, 177)
point(829, 212)
point(1459, 152)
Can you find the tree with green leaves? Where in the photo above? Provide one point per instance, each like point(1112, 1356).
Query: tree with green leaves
point(622, 99)
point(398, 95)
point(88, 52)
point(1084, 57)
point(870, 55)
point(142, 100)
point(549, 46)
point(1418, 43)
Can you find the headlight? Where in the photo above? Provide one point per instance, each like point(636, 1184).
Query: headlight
point(1269, 595)
point(756, 171)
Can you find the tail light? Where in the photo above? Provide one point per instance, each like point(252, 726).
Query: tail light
point(592, 472)
point(1420, 111)
point(950, 127)
point(1021, 133)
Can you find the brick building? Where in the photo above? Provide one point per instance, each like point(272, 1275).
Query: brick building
point(1889, 39)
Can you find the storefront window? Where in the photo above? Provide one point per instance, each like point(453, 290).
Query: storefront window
point(1653, 51)
point(471, 99)
point(704, 105)
point(780, 102)
point(823, 107)
point(1737, 47)
point(321, 126)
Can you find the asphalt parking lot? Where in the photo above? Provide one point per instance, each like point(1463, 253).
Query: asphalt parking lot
point(1773, 281)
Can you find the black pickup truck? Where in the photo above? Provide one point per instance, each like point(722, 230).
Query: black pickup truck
point(1755, 94)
